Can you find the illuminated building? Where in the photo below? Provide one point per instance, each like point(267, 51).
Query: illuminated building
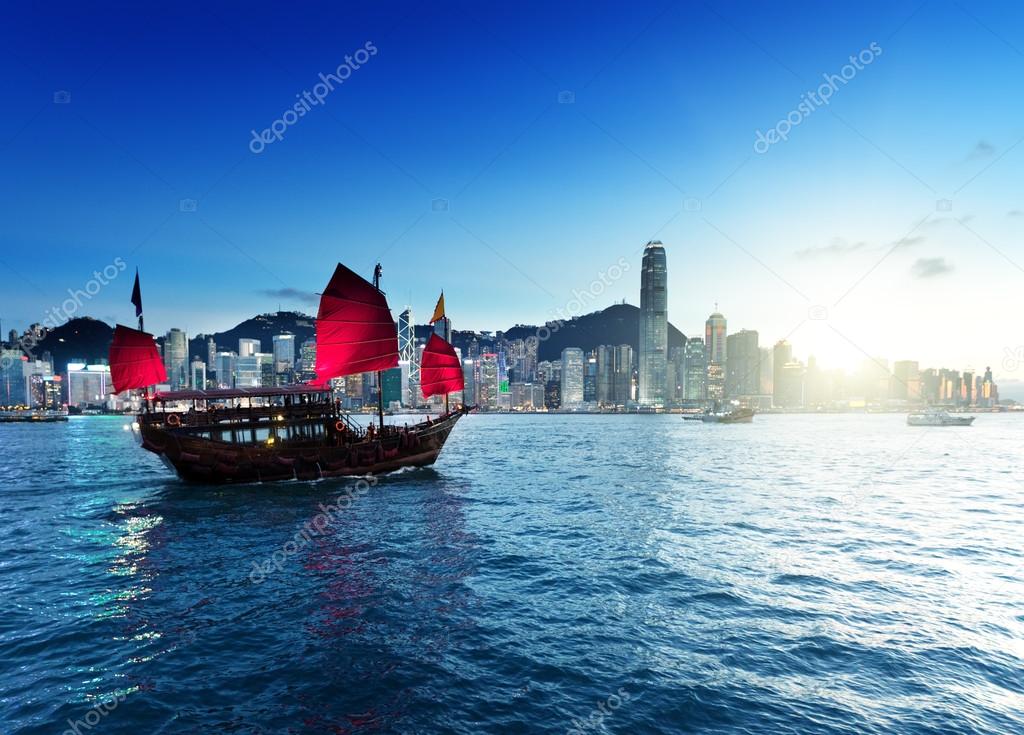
point(653, 325)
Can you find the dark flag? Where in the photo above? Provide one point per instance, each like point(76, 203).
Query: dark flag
point(137, 295)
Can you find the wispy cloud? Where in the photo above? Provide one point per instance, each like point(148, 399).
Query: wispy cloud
point(937, 222)
point(906, 242)
point(930, 267)
point(291, 294)
point(836, 247)
point(1015, 213)
point(982, 149)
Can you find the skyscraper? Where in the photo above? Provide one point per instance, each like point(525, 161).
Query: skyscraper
point(572, 377)
point(248, 347)
point(211, 356)
point(653, 325)
point(284, 352)
point(715, 356)
point(743, 368)
point(176, 359)
point(197, 371)
point(694, 370)
point(605, 365)
point(622, 378)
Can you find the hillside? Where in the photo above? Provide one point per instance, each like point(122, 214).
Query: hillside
point(84, 338)
point(89, 339)
point(617, 325)
point(262, 327)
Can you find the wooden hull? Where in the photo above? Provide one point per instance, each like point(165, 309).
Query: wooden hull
point(202, 460)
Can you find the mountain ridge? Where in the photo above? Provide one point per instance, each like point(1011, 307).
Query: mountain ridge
point(88, 339)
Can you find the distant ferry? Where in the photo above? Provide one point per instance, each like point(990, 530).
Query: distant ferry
point(734, 416)
point(938, 417)
point(299, 431)
point(32, 417)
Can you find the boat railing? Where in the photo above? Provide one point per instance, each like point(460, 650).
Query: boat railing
point(236, 414)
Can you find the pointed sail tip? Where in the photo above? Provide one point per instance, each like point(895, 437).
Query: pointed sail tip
point(439, 309)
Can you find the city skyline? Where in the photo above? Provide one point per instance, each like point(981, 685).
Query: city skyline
point(888, 203)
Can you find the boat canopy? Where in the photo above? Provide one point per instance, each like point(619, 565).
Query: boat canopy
point(220, 394)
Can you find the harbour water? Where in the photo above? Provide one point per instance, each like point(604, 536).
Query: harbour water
point(551, 574)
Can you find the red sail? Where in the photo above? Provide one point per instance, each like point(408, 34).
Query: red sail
point(354, 329)
point(440, 369)
point(134, 360)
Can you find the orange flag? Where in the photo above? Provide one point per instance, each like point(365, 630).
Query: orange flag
point(438, 310)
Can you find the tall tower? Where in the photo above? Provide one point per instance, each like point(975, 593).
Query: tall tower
point(176, 359)
point(653, 325)
point(715, 354)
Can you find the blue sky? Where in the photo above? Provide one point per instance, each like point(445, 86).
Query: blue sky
point(462, 103)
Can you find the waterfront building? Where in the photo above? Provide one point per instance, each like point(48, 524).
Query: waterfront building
point(211, 358)
point(391, 385)
point(471, 396)
point(572, 377)
point(248, 371)
point(176, 359)
point(715, 351)
point(284, 353)
point(553, 395)
point(248, 347)
point(306, 370)
point(197, 374)
point(45, 391)
point(694, 371)
point(653, 340)
point(906, 381)
point(12, 390)
point(788, 377)
point(604, 355)
point(782, 354)
point(88, 385)
point(622, 377)
point(767, 370)
point(527, 396)
point(488, 384)
point(743, 367)
point(590, 379)
point(226, 363)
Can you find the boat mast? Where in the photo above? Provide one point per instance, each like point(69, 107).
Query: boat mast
point(380, 373)
point(448, 339)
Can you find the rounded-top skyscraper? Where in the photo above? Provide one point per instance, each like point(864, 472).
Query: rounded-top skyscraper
point(653, 325)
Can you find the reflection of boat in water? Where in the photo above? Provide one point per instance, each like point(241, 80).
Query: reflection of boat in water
point(300, 431)
point(734, 416)
point(938, 417)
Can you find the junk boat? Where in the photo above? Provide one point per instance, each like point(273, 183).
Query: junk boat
point(244, 435)
point(938, 417)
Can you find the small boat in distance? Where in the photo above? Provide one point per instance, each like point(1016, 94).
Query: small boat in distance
point(736, 415)
point(937, 417)
point(243, 435)
point(32, 416)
